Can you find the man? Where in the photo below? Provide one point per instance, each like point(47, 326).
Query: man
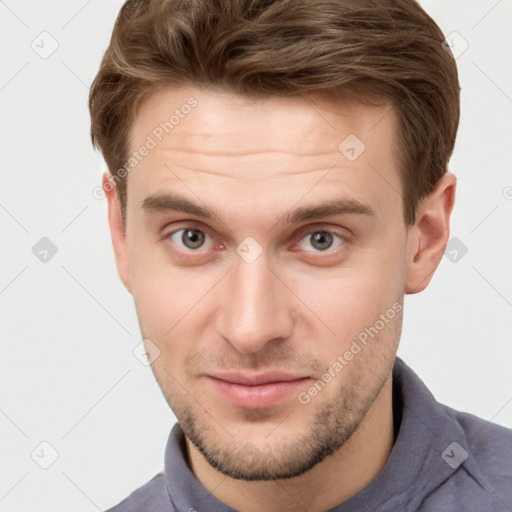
point(277, 182)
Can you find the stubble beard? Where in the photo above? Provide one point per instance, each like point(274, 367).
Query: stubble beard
point(331, 426)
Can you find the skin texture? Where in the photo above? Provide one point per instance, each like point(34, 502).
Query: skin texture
point(296, 307)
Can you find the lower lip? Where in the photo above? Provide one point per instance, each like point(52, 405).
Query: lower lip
point(257, 397)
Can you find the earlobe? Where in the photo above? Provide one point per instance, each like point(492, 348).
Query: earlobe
point(429, 235)
point(117, 230)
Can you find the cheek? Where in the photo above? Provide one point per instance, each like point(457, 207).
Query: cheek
point(348, 298)
point(165, 301)
point(173, 304)
point(167, 316)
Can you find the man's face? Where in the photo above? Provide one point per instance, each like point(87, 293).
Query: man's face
point(252, 306)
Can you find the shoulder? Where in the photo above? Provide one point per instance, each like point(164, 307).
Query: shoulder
point(483, 481)
point(490, 444)
point(152, 496)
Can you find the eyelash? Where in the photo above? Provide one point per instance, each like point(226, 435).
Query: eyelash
point(297, 239)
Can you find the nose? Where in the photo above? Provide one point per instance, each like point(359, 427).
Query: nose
point(255, 307)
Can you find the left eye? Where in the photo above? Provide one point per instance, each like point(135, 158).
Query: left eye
point(321, 241)
point(190, 238)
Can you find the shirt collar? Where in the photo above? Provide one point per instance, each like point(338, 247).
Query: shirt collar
point(416, 465)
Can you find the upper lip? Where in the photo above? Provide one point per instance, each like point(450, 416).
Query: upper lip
point(256, 379)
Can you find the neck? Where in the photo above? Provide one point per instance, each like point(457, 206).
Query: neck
point(331, 482)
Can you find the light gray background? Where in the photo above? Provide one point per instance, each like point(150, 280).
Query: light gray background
point(68, 375)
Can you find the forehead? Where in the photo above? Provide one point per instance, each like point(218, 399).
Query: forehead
point(264, 149)
point(298, 125)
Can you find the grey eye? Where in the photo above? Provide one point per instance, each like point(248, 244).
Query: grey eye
point(320, 241)
point(190, 238)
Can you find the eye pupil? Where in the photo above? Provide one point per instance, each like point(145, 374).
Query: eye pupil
point(192, 238)
point(321, 240)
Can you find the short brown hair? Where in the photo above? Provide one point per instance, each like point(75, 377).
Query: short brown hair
point(260, 48)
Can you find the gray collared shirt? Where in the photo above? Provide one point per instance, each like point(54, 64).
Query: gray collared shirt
point(442, 460)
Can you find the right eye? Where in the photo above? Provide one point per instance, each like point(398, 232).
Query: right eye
point(190, 239)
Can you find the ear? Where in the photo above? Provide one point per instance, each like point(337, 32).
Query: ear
point(117, 230)
point(428, 237)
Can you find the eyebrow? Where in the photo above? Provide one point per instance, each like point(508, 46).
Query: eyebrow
point(326, 209)
point(171, 202)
